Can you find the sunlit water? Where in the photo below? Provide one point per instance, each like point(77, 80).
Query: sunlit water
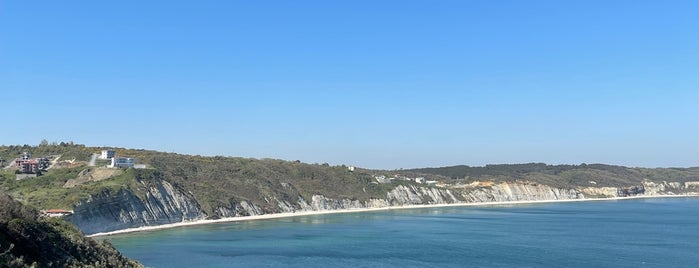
point(628, 233)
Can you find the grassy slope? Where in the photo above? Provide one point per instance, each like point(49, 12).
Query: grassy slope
point(47, 192)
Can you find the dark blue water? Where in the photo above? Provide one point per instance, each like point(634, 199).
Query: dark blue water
point(628, 233)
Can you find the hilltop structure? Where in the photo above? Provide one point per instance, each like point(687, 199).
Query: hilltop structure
point(122, 162)
point(29, 167)
point(107, 154)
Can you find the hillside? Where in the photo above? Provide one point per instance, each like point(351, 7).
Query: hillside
point(27, 240)
point(563, 175)
point(175, 187)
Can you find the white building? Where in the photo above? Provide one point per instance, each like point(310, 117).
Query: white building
point(107, 154)
point(57, 213)
point(420, 180)
point(122, 162)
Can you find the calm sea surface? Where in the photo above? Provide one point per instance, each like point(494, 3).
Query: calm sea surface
point(627, 233)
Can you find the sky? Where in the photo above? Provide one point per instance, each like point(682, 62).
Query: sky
point(377, 84)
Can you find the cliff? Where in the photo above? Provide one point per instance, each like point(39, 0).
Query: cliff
point(163, 203)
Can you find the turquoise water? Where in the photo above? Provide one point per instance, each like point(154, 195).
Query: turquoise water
point(627, 233)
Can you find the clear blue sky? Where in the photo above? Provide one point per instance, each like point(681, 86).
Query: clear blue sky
point(379, 84)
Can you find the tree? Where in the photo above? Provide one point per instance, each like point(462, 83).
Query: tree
point(44, 143)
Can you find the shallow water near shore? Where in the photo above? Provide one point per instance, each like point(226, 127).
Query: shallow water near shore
point(623, 233)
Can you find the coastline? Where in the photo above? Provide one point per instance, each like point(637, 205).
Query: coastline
point(322, 212)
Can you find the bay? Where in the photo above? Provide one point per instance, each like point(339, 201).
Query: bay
point(653, 232)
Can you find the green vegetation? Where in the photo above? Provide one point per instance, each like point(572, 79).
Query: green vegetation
point(68, 150)
point(47, 192)
point(220, 181)
point(564, 176)
point(27, 240)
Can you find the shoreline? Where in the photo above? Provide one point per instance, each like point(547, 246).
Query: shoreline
point(355, 210)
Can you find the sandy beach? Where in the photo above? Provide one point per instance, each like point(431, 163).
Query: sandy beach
point(321, 212)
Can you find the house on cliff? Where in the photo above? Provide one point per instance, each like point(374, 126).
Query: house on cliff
point(107, 154)
point(122, 162)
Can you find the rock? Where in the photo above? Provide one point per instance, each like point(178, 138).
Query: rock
point(691, 185)
point(520, 192)
point(600, 191)
point(109, 211)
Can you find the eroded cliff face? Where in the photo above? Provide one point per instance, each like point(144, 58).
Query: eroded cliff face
point(520, 192)
point(671, 188)
point(403, 195)
point(165, 204)
point(646, 188)
point(109, 211)
point(599, 192)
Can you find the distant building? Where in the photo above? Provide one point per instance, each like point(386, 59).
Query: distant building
point(122, 162)
point(350, 168)
point(431, 183)
point(26, 156)
point(107, 154)
point(44, 162)
point(28, 166)
point(420, 180)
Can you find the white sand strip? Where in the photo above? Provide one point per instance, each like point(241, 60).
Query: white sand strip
point(320, 212)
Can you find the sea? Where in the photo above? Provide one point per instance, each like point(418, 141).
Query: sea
point(652, 232)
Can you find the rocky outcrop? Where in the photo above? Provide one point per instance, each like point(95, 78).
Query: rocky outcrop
point(670, 188)
point(646, 188)
point(520, 192)
point(238, 209)
point(412, 195)
point(109, 211)
point(599, 192)
point(691, 185)
point(630, 191)
point(607, 192)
